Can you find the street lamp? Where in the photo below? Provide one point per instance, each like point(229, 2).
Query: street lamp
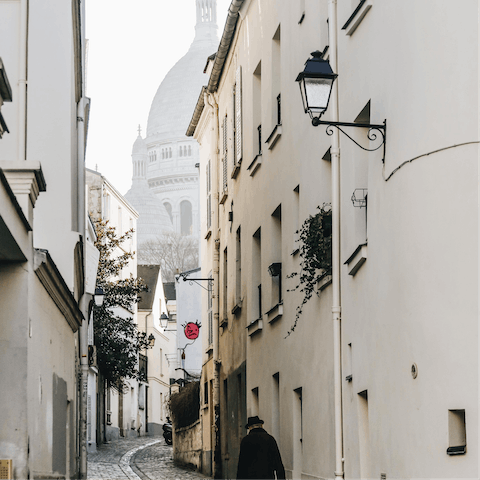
point(99, 296)
point(164, 320)
point(151, 340)
point(316, 82)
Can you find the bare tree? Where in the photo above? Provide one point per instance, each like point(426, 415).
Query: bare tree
point(172, 251)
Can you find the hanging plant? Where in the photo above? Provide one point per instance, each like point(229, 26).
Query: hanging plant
point(315, 245)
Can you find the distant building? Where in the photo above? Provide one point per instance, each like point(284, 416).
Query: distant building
point(156, 389)
point(166, 159)
point(118, 414)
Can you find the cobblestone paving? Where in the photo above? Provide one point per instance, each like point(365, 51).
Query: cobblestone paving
point(141, 458)
point(156, 463)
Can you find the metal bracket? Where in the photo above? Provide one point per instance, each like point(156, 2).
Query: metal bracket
point(371, 135)
point(191, 281)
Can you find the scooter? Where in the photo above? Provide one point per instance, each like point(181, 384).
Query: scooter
point(167, 432)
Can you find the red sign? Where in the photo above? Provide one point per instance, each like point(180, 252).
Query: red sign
point(192, 330)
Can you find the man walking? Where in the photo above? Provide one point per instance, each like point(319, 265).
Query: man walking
point(259, 455)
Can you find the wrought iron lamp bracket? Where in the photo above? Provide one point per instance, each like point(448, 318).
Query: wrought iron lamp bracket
point(371, 135)
point(191, 281)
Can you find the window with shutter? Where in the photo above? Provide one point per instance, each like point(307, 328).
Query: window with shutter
point(225, 154)
point(238, 116)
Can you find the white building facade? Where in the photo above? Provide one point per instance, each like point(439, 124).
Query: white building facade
point(44, 300)
point(380, 377)
point(118, 413)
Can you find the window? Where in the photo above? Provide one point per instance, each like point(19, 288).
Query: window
point(205, 393)
point(298, 432)
point(210, 311)
point(224, 153)
point(276, 76)
point(257, 107)
point(237, 128)
point(296, 219)
point(119, 222)
point(225, 284)
point(255, 402)
point(276, 258)
point(208, 176)
point(238, 269)
point(168, 208)
point(256, 275)
point(276, 406)
point(457, 434)
point(363, 434)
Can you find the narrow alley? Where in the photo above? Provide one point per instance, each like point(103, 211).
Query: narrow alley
point(145, 458)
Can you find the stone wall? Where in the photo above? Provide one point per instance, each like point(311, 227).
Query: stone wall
point(187, 446)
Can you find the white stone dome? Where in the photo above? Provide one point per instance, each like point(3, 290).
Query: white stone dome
point(173, 105)
point(154, 219)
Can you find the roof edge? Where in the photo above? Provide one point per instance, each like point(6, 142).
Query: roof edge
point(225, 44)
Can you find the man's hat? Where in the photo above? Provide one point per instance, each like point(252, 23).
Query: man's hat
point(254, 421)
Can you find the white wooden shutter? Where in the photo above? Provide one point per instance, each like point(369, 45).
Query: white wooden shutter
point(225, 153)
point(238, 115)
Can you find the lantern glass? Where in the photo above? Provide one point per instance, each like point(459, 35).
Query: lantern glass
point(317, 94)
point(99, 296)
point(164, 320)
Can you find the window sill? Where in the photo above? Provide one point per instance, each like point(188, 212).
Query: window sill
point(224, 323)
point(274, 136)
point(223, 197)
point(460, 450)
point(237, 308)
point(357, 16)
point(357, 259)
point(324, 282)
point(254, 166)
point(255, 326)
point(275, 313)
point(209, 234)
point(209, 350)
point(235, 170)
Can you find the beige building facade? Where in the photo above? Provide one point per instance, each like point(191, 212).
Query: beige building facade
point(379, 378)
point(44, 296)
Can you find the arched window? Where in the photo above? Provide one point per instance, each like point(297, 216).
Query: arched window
point(168, 208)
point(189, 150)
point(186, 220)
point(180, 151)
point(169, 153)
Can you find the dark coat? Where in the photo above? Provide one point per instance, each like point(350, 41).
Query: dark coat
point(259, 457)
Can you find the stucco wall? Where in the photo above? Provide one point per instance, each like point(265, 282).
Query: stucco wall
point(187, 446)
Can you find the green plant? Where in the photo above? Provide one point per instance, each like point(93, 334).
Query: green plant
point(184, 406)
point(315, 245)
point(116, 337)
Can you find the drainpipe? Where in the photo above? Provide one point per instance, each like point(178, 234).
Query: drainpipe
point(336, 307)
point(83, 388)
point(85, 301)
point(217, 452)
point(22, 82)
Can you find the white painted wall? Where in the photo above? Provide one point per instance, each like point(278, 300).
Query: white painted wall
point(414, 299)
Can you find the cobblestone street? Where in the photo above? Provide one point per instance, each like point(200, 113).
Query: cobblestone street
point(144, 458)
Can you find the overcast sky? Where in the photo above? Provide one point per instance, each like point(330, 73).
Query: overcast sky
point(132, 46)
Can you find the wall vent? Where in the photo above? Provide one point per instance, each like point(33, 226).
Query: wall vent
point(6, 469)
